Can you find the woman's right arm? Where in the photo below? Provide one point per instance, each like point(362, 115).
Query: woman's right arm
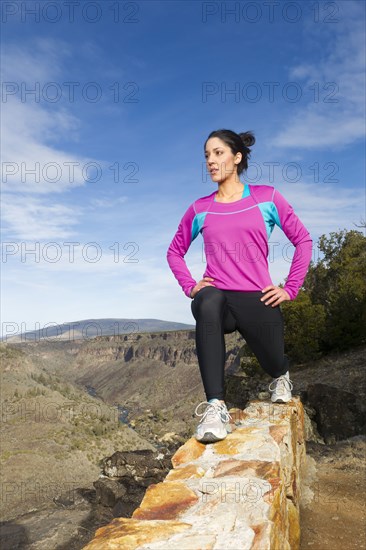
point(186, 233)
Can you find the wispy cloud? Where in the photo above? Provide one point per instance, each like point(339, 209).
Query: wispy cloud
point(43, 62)
point(339, 72)
point(31, 160)
point(107, 203)
point(32, 219)
point(34, 164)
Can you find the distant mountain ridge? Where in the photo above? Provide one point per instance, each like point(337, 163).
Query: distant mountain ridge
point(91, 328)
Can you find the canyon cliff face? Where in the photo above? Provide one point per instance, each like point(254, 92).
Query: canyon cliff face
point(156, 377)
point(136, 371)
point(146, 370)
point(169, 348)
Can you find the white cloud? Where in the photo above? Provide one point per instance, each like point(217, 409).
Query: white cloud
point(31, 219)
point(29, 162)
point(33, 162)
point(107, 203)
point(321, 123)
point(41, 62)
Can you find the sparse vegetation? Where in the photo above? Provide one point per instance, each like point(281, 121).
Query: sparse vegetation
point(9, 353)
point(329, 313)
point(35, 392)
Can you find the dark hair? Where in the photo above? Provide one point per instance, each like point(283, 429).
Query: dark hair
point(238, 143)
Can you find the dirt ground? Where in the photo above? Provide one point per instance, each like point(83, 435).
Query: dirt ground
point(334, 518)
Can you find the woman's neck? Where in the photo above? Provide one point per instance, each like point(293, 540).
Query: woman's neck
point(227, 190)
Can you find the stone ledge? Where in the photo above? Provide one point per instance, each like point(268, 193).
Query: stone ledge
point(241, 493)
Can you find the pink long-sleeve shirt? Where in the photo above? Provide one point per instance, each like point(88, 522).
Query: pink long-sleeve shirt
point(236, 236)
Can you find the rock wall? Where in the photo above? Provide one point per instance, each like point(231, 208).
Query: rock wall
point(239, 493)
point(171, 348)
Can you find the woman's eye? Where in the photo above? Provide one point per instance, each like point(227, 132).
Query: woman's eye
point(217, 153)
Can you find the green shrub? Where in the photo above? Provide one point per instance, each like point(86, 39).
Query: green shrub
point(304, 328)
point(338, 283)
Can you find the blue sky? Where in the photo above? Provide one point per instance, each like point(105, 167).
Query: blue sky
point(141, 90)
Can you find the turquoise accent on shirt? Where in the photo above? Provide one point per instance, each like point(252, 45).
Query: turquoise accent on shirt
point(230, 231)
point(270, 216)
point(197, 224)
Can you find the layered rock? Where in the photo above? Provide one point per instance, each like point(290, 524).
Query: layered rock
point(125, 477)
point(339, 414)
point(170, 348)
point(239, 493)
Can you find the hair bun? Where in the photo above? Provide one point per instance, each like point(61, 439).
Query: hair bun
point(247, 138)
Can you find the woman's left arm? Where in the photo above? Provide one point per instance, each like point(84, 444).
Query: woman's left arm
point(296, 232)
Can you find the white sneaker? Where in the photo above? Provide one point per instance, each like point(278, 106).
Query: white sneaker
point(215, 422)
point(281, 389)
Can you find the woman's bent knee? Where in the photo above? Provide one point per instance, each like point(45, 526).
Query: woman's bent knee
point(208, 299)
point(209, 293)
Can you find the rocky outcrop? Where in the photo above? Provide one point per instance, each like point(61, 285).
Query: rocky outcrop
point(125, 477)
point(339, 414)
point(241, 493)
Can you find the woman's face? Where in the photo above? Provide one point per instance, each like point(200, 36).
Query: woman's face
point(220, 160)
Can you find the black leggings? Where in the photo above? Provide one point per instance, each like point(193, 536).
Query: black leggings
point(218, 312)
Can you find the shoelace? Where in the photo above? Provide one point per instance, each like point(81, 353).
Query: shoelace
point(281, 383)
point(212, 409)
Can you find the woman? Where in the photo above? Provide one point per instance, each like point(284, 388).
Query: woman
point(236, 291)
